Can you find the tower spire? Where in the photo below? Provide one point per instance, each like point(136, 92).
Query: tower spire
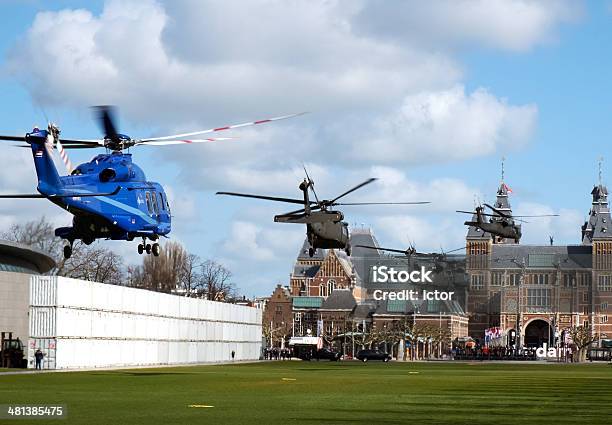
point(600, 163)
point(503, 160)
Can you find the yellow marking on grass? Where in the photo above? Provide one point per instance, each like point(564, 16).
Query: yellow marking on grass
point(289, 379)
point(199, 405)
point(413, 373)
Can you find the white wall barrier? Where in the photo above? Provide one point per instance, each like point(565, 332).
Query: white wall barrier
point(81, 324)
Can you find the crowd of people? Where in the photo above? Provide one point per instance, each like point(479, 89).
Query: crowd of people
point(275, 353)
point(484, 352)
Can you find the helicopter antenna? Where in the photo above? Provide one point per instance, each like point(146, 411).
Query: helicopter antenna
point(503, 160)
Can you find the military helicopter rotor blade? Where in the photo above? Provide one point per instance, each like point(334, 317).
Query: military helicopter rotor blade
point(311, 183)
point(267, 198)
point(382, 203)
point(483, 214)
point(351, 190)
point(539, 215)
point(302, 210)
point(454, 250)
point(401, 251)
point(503, 214)
point(227, 127)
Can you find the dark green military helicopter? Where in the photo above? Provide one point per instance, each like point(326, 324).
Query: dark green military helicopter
point(325, 226)
point(500, 224)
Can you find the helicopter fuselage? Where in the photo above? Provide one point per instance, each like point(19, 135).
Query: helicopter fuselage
point(324, 229)
point(328, 234)
point(139, 208)
point(502, 229)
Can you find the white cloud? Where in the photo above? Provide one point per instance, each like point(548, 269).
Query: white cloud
point(564, 229)
point(394, 185)
point(135, 51)
point(515, 25)
point(372, 99)
point(447, 125)
point(182, 204)
point(428, 233)
point(242, 242)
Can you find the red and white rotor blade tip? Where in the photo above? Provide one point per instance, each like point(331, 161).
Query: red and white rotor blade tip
point(180, 142)
point(227, 127)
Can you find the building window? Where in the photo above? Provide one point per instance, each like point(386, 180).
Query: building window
point(604, 306)
point(279, 308)
point(539, 279)
point(584, 279)
point(298, 317)
point(331, 285)
point(585, 297)
point(538, 298)
point(514, 280)
point(477, 282)
point(604, 318)
point(497, 279)
point(604, 284)
point(567, 280)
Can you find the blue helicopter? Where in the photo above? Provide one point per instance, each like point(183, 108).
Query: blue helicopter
point(109, 196)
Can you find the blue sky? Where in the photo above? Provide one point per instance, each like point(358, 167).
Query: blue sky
point(428, 97)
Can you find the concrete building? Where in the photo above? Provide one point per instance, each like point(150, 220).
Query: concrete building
point(87, 324)
point(17, 263)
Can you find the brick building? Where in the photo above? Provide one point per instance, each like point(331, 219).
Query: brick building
point(537, 292)
point(331, 295)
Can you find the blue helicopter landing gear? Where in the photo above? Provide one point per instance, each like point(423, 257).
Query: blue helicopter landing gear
point(154, 249)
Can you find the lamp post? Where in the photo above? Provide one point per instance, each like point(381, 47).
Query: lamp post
point(519, 307)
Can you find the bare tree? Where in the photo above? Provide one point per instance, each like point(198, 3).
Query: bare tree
point(583, 337)
point(330, 334)
point(214, 282)
point(38, 234)
point(362, 337)
point(189, 273)
point(163, 273)
point(96, 264)
point(87, 262)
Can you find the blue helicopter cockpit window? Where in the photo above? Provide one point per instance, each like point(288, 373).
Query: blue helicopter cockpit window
point(149, 206)
point(154, 201)
point(161, 201)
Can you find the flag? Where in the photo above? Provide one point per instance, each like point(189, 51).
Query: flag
point(507, 188)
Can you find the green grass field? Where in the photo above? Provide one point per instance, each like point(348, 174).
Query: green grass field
point(324, 392)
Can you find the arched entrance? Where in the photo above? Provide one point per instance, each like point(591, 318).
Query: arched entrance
point(537, 333)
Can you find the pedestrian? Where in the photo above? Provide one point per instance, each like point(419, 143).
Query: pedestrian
point(233, 355)
point(38, 355)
